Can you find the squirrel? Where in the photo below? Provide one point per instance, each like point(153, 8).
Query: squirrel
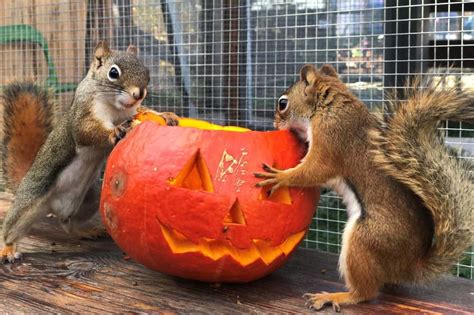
point(55, 168)
point(409, 203)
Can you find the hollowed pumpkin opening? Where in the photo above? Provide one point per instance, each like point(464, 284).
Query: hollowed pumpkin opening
point(150, 115)
point(194, 175)
point(235, 215)
point(281, 195)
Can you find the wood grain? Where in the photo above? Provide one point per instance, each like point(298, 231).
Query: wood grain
point(64, 275)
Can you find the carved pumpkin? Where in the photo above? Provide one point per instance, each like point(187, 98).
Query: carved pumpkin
point(183, 201)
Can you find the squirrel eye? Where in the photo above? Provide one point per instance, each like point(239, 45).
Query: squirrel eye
point(283, 103)
point(114, 73)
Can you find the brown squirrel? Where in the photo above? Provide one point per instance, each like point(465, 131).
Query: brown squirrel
point(56, 169)
point(400, 186)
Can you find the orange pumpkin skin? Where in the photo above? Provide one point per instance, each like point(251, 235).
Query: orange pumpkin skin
point(183, 201)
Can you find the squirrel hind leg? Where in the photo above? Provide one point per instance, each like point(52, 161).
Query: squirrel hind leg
point(362, 274)
point(17, 223)
point(91, 229)
point(86, 223)
point(362, 287)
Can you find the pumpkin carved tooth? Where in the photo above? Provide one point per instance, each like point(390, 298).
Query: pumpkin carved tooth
point(217, 249)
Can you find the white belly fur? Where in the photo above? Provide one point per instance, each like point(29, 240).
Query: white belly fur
point(73, 182)
point(111, 116)
point(354, 210)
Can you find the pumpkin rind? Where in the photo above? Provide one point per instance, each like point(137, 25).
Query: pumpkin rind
point(183, 201)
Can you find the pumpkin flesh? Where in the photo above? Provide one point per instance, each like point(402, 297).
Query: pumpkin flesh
point(183, 201)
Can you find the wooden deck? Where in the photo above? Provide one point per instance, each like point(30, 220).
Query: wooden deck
point(64, 275)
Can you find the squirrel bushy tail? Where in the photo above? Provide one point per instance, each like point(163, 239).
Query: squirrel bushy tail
point(27, 119)
point(408, 147)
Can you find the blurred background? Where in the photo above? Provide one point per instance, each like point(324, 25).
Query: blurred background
point(228, 61)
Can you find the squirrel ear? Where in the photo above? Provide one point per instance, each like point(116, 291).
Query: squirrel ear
point(308, 74)
point(132, 49)
point(328, 70)
point(102, 50)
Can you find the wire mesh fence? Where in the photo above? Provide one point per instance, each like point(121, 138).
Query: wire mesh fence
point(227, 61)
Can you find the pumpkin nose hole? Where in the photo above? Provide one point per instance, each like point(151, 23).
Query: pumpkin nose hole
point(235, 215)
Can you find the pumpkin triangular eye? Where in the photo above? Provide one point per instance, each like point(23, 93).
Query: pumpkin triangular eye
point(194, 175)
point(282, 195)
point(235, 215)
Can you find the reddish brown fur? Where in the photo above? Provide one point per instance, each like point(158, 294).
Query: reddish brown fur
point(27, 123)
point(7, 251)
point(390, 240)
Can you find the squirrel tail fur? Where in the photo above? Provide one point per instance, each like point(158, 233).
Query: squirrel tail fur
point(408, 147)
point(27, 119)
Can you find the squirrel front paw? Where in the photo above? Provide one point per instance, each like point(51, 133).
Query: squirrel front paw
point(9, 254)
point(119, 132)
point(170, 118)
point(273, 176)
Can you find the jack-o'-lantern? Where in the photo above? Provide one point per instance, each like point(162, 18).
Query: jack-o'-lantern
point(183, 201)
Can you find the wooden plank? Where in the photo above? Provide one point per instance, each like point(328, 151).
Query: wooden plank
point(62, 274)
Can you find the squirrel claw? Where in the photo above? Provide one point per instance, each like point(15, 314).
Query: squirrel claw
point(267, 182)
point(118, 134)
point(120, 131)
point(272, 181)
point(269, 169)
point(170, 118)
point(9, 255)
point(272, 176)
point(319, 300)
point(314, 303)
point(263, 175)
point(269, 173)
point(273, 189)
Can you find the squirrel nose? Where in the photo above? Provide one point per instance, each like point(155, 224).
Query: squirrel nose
point(138, 93)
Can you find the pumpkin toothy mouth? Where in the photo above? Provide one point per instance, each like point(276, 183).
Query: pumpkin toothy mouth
point(217, 249)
